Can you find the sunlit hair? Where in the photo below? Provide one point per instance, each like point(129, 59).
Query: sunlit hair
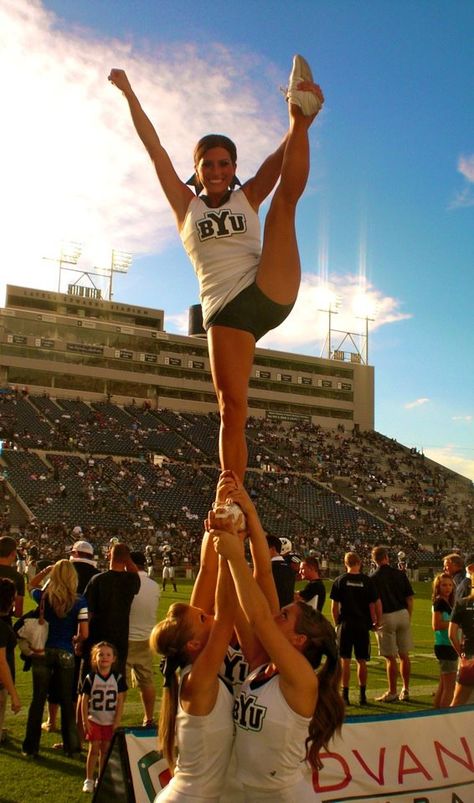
point(169, 638)
point(312, 562)
point(455, 559)
point(379, 553)
point(120, 553)
point(328, 714)
point(214, 141)
point(94, 660)
point(61, 591)
point(205, 144)
point(436, 587)
point(7, 595)
point(352, 559)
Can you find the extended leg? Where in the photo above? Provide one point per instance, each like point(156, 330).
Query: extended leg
point(279, 271)
point(231, 352)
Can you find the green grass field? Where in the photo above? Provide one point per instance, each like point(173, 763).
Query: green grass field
point(53, 777)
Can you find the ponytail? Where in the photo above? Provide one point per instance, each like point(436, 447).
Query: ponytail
point(328, 714)
point(169, 638)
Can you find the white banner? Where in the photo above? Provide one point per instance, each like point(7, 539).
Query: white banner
point(405, 758)
point(409, 758)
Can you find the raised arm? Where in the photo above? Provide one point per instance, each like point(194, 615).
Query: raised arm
point(200, 685)
point(204, 588)
point(260, 186)
point(177, 193)
point(262, 567)
point(298, 681)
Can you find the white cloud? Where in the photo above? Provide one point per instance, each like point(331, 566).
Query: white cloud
point(416, 403)
point(467, 419)
point(75, 169)
point(307, 326)
point(466, 167)
point(447, 456)
point(465, 196)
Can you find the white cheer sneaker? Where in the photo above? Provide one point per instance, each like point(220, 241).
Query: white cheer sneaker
point(308, 102)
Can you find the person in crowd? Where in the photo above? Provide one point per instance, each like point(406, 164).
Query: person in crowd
point(283, 574)
point(394, 636)
point(168, 572)
point(314, 592)
point(143, 615)
point(246, 288)
point(102, 700)
point(109, 597)
point(82, 558)
point(7, 653)
point(285, 711)
point(287, 552)
point(442, 599)
point(22, 556)
point(356, 610)
point(453, 564)
point(150, 561)
point(8, 552)
point(196, 709)
point(461, 634)
point(66, 614)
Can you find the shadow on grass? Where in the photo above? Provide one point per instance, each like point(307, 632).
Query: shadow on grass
point(47, 759)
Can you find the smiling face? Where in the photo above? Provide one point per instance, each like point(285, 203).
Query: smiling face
point(105, 660)
point(215, 171)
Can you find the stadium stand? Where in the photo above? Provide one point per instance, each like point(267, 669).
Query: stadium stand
point(149, 475)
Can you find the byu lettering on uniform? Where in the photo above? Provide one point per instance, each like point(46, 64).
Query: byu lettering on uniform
point(221, 223)
point(247, 714)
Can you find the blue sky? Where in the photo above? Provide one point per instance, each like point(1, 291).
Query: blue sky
point(388, 211)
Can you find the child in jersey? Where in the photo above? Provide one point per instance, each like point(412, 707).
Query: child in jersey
point(102, 699)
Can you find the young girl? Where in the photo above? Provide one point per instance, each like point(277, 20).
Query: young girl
point(196, 709)
point(246, 288)
point(103, 695)
point(285, 711)
point(443, 596)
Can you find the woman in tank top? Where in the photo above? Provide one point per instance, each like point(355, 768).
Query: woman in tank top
point(246, 288)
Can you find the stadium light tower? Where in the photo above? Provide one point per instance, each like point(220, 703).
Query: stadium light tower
point(120, 263)
point(68, 258)
point(329, 303)
point(364, 309)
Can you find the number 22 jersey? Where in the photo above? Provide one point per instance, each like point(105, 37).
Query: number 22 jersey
point(103, 695)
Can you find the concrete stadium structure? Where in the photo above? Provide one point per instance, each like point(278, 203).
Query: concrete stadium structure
point(78, 344)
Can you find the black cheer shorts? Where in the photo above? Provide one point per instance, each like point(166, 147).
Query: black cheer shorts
point(251, 311)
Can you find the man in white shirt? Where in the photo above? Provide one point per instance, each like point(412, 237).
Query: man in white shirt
point(143, 617)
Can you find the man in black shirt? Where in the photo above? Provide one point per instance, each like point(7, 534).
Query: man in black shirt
point(82, 558)
point(355, 609)
point(109, 598)
point(394, 636)
point(314, 592)
point(283, 575)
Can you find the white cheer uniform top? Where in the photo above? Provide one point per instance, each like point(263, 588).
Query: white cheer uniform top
point(204, 750)
point(269, 740)
point(224, 247)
